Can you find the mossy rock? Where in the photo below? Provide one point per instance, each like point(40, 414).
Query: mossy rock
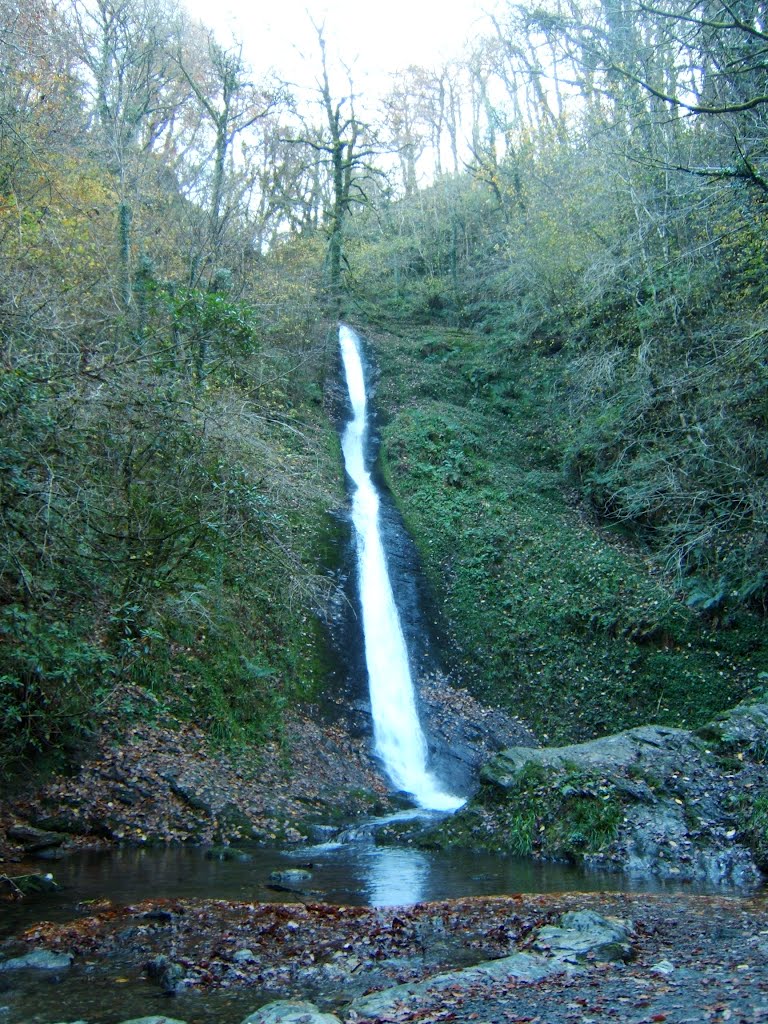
point(743, 730)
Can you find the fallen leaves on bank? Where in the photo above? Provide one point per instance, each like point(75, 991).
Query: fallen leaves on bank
point(163, 783)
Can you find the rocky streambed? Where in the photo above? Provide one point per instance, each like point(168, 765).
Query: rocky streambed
point(557, 959)
point(661, 803)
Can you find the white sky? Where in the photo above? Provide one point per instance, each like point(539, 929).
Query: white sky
point(371, 37)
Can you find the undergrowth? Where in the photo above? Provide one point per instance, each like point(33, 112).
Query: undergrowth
point(563, 813)
point(543, 610)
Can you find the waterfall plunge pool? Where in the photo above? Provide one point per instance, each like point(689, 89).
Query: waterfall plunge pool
point(357, 873)
point(354, 873)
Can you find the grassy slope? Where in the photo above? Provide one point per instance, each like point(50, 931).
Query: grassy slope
point(544, 613)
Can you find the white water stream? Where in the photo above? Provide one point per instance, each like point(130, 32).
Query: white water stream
point(398, 736)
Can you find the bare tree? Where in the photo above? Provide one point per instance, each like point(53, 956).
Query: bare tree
point(125, 47)
point(232, 102)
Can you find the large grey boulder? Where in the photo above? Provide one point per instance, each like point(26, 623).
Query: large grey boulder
point(654, 800)
point(519, 967)
point(290, 1011)
point(648, 744)
point(38, 960)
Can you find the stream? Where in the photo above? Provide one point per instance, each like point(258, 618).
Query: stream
point(352, 873)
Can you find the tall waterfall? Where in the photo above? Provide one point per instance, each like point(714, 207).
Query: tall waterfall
point(397, 731)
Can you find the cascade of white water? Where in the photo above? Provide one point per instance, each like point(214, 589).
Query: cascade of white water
point(397, 731)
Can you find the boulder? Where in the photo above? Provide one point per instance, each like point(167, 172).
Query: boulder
point(290, 1011)
point(167, 974)
point(648, 743)
point(743, 730)
point(653, 800)
point(38, 960)
point(34, 839)
point(583, 934)
point(290, 876)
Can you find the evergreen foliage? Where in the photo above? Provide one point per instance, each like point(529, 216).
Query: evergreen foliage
point(166, 463)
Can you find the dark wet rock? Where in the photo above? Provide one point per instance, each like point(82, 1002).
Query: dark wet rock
point(290, 1011)
point(191, 796)
point(34, 839)
point(519, 968)
point(161, 915)
point(322, 833)
point(53, 853)
point(68, 822)
point(38, 960)
point(463, 733)
point(227, 853)
point(584, 934)
point(106, 826)
point(126, 796)
point(165, 973)
point(743, 730)
point(290, 876)
point(25, 885)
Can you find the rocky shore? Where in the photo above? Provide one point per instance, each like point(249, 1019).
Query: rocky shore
point(564, 959)
point(649, 802)
point(653, 802)
point(161, 782)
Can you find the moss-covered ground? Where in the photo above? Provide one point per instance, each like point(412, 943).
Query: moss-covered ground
point(541, 609)
point(563, 813)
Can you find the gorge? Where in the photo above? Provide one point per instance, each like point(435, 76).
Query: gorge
point(398, 735)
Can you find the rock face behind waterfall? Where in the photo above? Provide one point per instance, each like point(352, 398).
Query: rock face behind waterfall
point(653, 800)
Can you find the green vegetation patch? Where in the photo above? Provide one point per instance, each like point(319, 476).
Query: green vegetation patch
point(553, 813)
point(541, 610)
point(751, 814)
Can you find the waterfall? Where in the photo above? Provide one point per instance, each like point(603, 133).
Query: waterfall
point(397, 732)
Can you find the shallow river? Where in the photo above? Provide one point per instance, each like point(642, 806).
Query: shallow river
point(353, 873)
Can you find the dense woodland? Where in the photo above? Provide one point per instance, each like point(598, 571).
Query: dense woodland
point(557, 245)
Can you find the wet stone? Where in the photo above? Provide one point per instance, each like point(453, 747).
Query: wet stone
point(290, 875)
point(38, 960)
point(33, 839)
point(582, 934)
point(290, 1011)
point(227, 853)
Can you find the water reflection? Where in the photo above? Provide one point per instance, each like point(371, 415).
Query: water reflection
point(396, 877)
point(356, 872)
